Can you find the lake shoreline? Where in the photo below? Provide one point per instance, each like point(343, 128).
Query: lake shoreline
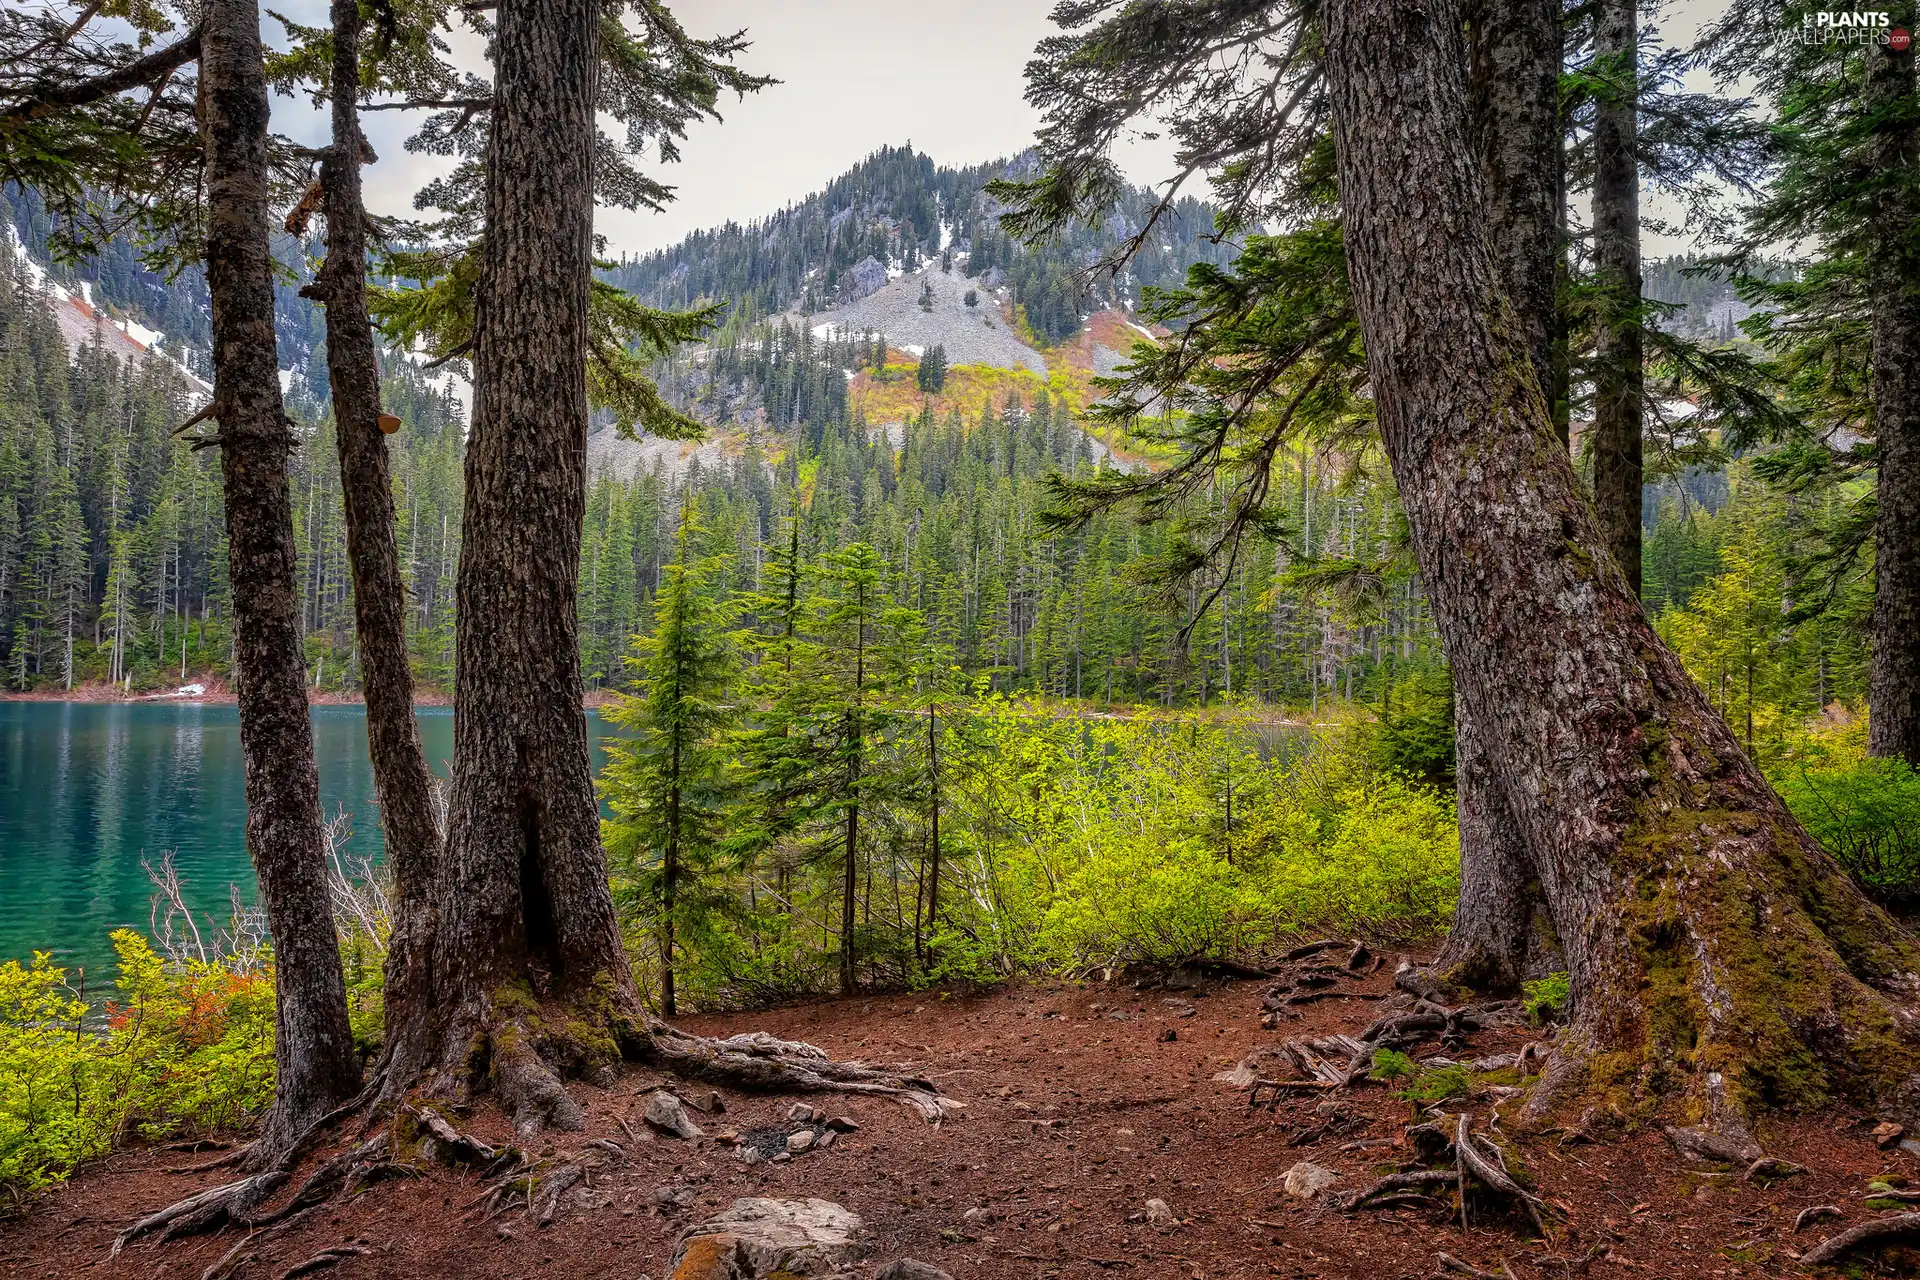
point(218, 692)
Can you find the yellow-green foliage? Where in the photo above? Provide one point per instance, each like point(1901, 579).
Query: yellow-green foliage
point(180, 1048)
point(1116, 845)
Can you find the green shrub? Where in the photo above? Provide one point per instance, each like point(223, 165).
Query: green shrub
point(1390, 1064)
point(183, 1048)
point(1866, 813)
point(1436, 1084)
point(1547, 998)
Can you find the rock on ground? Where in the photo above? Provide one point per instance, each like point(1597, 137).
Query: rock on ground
point(667, 1114)
point(908, 1269)
point(1161, 1214)
point(753, 1239)
point(1307, 1180)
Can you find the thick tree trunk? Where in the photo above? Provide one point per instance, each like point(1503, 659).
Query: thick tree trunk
point(1716, 952)
point(1618, 372)
point(525, 915)
point(402, 783)
point(1894, 687)
point(1500, 934)
point(314, 1047)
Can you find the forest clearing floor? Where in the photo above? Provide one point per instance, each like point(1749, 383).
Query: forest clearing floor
point(1080, 1108)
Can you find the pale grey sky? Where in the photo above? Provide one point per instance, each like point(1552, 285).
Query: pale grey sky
point(854, 75)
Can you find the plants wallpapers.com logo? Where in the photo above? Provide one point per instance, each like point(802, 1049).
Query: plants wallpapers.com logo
point(1852, 27)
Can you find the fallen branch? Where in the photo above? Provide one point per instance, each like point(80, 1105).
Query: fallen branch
point(1447, 1262)
point(1898, 1227)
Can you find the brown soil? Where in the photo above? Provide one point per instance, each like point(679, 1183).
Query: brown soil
point(1075, 1118)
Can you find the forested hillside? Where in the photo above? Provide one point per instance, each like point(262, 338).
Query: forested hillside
point(901, 210)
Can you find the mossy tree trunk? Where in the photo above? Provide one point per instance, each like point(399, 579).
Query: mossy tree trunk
point(402, 783)
point(1716, 953)
point(314, 1056)
point(1500, 934)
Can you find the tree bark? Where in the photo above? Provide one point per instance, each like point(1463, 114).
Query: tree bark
point(1618, 359)
point(402, 782)
point(1894, 284)
point(1716, 952)
point(1499, 935)
point(314, 1045)
point(526, 921)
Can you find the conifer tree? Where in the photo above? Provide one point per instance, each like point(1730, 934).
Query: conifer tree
point(669, 785)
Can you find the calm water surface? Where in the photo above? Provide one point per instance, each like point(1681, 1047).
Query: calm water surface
point(88, 789)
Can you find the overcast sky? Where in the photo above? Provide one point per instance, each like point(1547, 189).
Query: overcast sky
point(855, 75)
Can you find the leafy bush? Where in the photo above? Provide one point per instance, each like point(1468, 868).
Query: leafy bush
point(1863, 810)
point(1547, 998)
point(184, 1048)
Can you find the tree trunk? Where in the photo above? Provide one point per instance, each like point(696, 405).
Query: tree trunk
point(525, 922)
point(1716, 952)
point(1497, 939)
point(402, 783)
point(670, 879)
point(1618, 369)
point(1894, 687)
point(317, 1068)
point(529, 979)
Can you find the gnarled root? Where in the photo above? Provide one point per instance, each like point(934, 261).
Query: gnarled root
point(1900, 1226)
point(231, 1203)
point(760, 1061)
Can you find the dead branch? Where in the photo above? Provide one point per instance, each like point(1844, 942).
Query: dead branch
point(1448, 1263)
point(1898, 1227)
point(1814, 1213)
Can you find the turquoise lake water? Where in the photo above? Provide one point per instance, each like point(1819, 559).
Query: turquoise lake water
point(88, 789)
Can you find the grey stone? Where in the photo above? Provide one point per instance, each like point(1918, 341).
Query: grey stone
point(667, 1114)
point(980, 1216)
point(753, 1238)
point(1307, 1180)
point(800, 1142)
point(801, 1112)
point(908, 1269)
point(1161, 1214)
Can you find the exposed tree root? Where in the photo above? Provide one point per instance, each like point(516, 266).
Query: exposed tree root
point(1467, 1151)
point(1769, 1167)
point(1449, 1264)
point(1900, 1226)
point(1814, 1213)
point(245, 1250)
point(324, 1260)
point(231, 1203)
point(1391, 1187)
point(762, 1062)
point(1468, 1162)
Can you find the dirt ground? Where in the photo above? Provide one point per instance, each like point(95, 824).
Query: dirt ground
point(1080, 1108)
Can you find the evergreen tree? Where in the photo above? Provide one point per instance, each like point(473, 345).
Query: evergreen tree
point(669, 786)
